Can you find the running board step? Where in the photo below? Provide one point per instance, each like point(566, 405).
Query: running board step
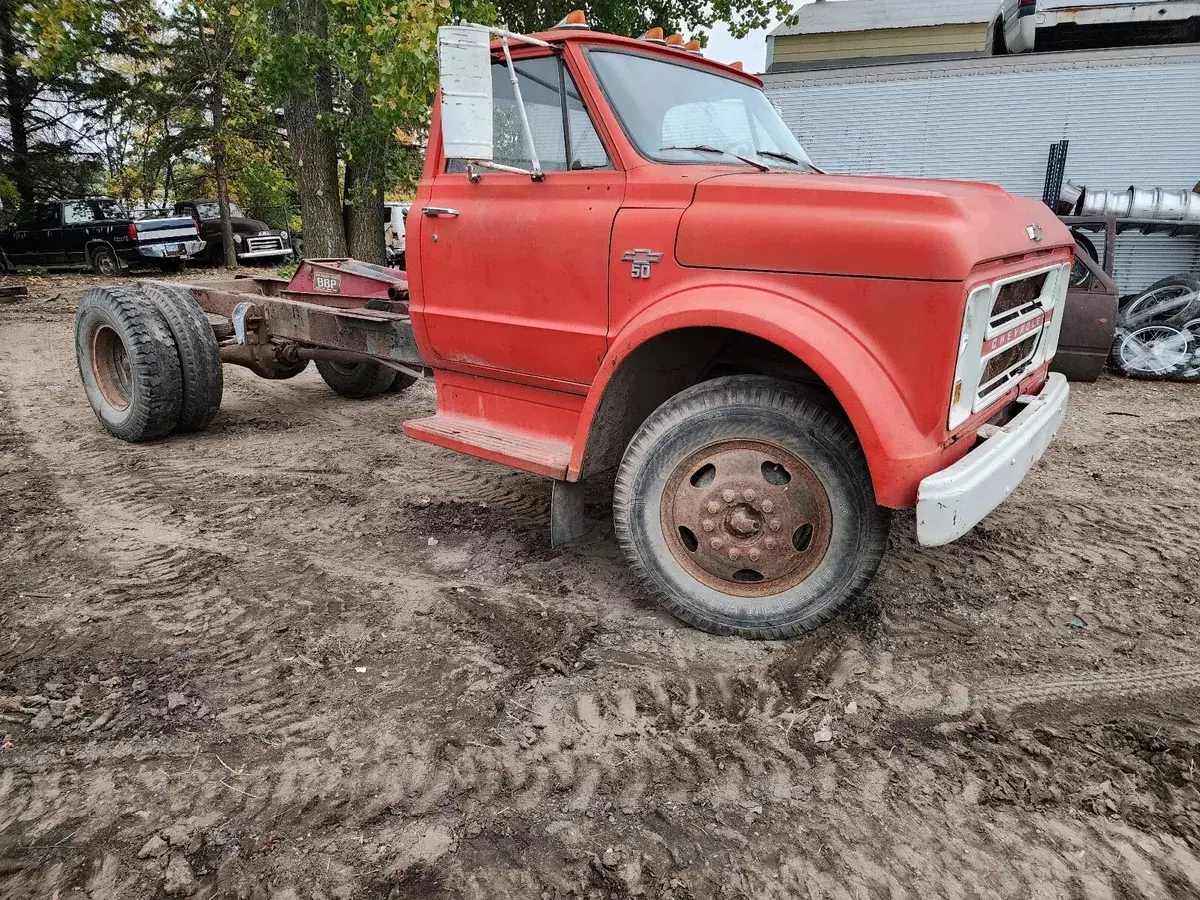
point(518, 449)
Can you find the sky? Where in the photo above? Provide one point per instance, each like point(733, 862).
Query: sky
point(751, 50)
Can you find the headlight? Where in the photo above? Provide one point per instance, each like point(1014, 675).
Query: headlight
point(966, 369)
point(237, 238)
point(283, 235)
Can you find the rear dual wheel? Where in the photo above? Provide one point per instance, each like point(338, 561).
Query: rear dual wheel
point(359, 381)
point(148, 360)
point(128, 363)
point(746, 506)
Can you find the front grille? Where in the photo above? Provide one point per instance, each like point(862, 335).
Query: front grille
point(1006, 364)
point(1017, 297)
point(267, 242)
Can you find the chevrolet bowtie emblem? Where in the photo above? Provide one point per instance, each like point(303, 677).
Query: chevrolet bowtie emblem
point(1035, 232)
point(641, 261)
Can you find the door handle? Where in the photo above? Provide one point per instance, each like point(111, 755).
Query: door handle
point(435, 211)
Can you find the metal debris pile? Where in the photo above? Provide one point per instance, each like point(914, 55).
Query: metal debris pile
point(1158, 332)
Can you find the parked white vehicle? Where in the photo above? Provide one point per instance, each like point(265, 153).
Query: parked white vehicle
point(1092, 24)
point(394, 217)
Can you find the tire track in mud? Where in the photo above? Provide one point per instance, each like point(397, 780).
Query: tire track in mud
point(1050, 687)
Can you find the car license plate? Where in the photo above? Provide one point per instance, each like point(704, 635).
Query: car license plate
point(174, 249)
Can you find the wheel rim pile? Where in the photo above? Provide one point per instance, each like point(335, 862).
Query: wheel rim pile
point(1158, 332)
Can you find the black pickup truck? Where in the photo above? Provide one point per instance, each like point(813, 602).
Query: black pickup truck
point(96, 233)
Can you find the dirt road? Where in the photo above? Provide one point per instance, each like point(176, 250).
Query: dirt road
point(299, 656)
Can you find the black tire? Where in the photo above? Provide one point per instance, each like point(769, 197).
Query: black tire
point(1085, 243)
point(128, 363)
point(402, 383)
point(199, 355)
point(175, 266)
point(280, 372)
point(357, 381)
point(745, 413)
point(104, 261)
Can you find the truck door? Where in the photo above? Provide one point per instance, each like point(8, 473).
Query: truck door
point(79, 226)
point(514, 272)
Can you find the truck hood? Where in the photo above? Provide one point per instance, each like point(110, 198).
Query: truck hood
point(876, 227)
point(241, 225)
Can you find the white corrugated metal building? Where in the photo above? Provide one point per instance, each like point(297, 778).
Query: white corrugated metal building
point(1132, 117)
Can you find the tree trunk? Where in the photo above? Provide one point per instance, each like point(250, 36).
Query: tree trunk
point(314, 151)
point(15, 103)
point(220, 168)
point(364, 217)
point(364, 186)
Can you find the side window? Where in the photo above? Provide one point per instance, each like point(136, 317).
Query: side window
point(587, 151)
point(77, 211)
point(559, 131)
point(41, 215)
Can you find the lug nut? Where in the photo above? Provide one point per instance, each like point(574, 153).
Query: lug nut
point(775, 525)
point(715, 543)
point(734, 553)
point(714, 506)
point(727, 495)
point(749, 494)
point(769, 543)
point(707, 525)
point(753, 554)
point(768, 506)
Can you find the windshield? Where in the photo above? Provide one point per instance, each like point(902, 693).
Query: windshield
point(692, 115)
point(211, 209)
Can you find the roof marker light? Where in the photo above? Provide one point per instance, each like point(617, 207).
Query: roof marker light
point(574, 19)
point(675, 40)
point(692, 46)
point(654, 36)
point(737, 65)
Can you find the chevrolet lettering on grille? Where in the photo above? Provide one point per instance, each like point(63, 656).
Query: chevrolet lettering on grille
point(1015, 334)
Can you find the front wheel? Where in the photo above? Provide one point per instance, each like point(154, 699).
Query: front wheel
point(746, 506)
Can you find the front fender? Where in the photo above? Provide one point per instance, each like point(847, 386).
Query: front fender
point(897, 452)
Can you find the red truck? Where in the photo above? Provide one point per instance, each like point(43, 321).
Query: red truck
point(620, 258)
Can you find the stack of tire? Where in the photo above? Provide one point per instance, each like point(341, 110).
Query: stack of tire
point(1158, 332)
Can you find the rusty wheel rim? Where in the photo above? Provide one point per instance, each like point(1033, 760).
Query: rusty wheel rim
point(111, 367)
point(746, 518)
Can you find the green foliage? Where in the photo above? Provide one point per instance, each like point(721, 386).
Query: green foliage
point(383, 58)
point(10, 200)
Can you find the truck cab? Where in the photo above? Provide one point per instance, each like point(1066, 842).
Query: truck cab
point(654, 264)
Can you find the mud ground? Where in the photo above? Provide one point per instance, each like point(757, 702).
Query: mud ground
point(299, 656)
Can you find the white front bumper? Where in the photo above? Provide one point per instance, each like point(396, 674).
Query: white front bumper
point(953, 501)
